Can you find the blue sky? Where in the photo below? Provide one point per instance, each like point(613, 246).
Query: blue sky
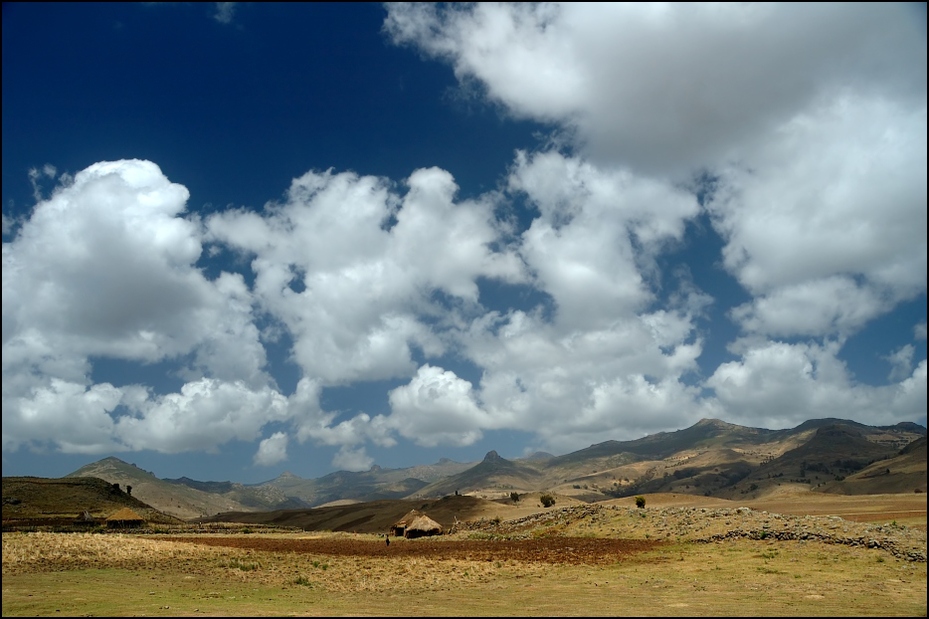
point(241, 239)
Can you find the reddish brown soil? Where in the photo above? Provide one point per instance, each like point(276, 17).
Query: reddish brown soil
point(565, 550)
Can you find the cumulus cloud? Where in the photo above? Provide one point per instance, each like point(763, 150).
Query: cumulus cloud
point(811, 119)
point(351, 268)
point(805, 124)
point(828, 230)
point(105, 267)
point(352, 459)
point(594, 243)
point(567, 388)
point(809, 123)
point(272, 450)
point(437, 407)
point(667, 87)
point(779, 385)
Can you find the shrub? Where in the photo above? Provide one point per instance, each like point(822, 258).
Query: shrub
point(547, 500)
point(514, 496)
point(640, 501)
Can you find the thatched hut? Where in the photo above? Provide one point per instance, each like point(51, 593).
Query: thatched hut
point(423, 526)
point(415, 524)
point(398, 528)
point(125, 519)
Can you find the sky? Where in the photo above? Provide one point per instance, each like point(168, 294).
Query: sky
point(241, 239)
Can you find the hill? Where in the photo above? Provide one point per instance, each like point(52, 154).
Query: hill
point(493, 474)
point(37, 501)
point(175, 497)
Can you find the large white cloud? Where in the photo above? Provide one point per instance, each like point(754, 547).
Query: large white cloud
point(779, 385)
point(367, 263)
point(666, 87)
point(597, 235)
point(438, 407)
point(827, 228)
point(809, 121)
point(812, 118)
point(106, 267)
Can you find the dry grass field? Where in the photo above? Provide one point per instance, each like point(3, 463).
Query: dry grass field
point(789, 555)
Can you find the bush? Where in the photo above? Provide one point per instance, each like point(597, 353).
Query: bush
point(640, 501)
point(547, 500)
point(514, 496)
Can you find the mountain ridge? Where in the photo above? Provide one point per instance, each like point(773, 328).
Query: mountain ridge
point(711, 458)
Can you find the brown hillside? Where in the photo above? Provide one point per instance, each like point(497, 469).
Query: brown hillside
point(379, 516)
point(36, 501)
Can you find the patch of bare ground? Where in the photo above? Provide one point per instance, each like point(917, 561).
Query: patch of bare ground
point(561, 550)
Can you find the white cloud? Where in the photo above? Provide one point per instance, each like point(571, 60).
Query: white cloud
point(35, 175)
point(348, 459)
point(812, 118)
point(113, 249)
point(366, 287)
point(597, 236)
point(901, 361)
point(830, 219)
point(312, 423)
point(105, 267)
point(437, 407)
point(833, 304)
point(272, 450)
point(810, 121)
point(204, 415)
point(779, 385)
point(668, 87)
point(225, 11)
point(71, 415)
point(568, 388)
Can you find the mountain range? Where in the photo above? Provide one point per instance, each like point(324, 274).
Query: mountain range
point(710, 458)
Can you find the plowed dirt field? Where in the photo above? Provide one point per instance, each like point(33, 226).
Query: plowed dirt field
point(560, 550)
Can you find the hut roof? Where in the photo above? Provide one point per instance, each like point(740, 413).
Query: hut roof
point(408, 519)
point(424, 524)
point(125, 515)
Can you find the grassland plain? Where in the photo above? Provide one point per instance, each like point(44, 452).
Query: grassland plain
point(690, 559)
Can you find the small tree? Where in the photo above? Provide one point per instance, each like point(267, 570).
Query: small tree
point(547, 500)
point(129, 490)
point(515, 497)
point(640, 502)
